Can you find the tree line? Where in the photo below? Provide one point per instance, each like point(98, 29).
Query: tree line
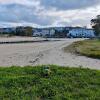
point(24, 31)
point(19, 31)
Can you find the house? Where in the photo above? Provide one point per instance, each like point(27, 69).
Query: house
point(80, 32)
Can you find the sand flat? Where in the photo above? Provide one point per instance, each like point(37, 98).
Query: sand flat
point(19, 38)
point(43, 53)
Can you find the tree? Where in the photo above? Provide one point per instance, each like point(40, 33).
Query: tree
point(24, 31)
point(28, 31)
point(61, 34)
point(96, 25)
point(20, 31)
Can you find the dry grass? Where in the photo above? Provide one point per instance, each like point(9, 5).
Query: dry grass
point(90, 48)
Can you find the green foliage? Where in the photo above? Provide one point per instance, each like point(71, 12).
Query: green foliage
point(24, 31)
point(61, 34)
point(96, 25)
point(63, 83)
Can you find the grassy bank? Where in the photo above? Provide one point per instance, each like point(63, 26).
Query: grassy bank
point(90, 48)
point(56, 83)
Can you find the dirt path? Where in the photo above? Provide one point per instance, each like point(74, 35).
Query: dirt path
point(43, 53)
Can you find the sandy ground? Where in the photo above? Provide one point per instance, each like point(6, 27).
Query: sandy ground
point(17, 38)
point(43, 53)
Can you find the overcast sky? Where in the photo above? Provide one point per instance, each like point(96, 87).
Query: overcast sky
point(41, 13)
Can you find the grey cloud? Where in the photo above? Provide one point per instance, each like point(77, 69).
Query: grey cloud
point(43, 15)
point(21, 13)
point(69, 4)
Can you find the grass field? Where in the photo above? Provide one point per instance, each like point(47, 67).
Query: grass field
point(90, 48)
point(56, 83)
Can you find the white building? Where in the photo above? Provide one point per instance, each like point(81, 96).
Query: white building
point(81, 32)
point(37, 32)
point(43, 32)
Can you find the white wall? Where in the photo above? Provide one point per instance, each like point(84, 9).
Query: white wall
point(43, 32)
point(81, 32)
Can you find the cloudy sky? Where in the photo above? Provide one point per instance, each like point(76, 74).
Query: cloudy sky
point(41, 13)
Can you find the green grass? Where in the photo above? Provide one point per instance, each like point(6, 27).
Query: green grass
point(90, 48)
point(59, 83)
